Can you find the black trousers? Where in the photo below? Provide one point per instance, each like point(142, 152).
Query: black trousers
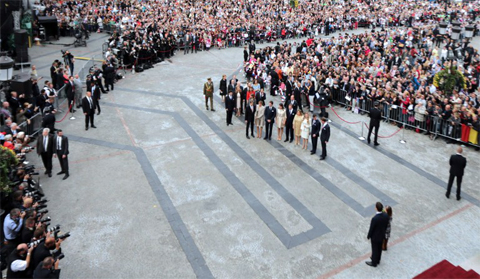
point(377, 126)
point(289, 131)
point(229, 116)
point(70, 103)
point(314, 143)
point(450, 183)
point(47, 161)
point(63, 163)
point(268, 129)
point(89, 118)
point(97, 104)
point(376, 252)
point(249, 124)
point(109, 83)
point(324, 149)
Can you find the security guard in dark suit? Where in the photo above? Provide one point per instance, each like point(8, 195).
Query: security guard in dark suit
point(375, 117)
point(457, 167)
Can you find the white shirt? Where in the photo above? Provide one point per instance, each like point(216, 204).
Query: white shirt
point(59, 143)
point(18, 265)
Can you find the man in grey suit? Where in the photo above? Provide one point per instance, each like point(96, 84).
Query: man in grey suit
point(78, 91)
point(60, 150)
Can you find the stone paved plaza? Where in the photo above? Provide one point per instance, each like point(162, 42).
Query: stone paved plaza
point(164, 189)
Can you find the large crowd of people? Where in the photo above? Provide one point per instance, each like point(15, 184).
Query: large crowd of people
point(394, 67)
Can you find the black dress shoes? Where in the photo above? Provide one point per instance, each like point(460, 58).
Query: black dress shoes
point(98, 113)
point(368, 142)
point(93, 126)
point(60, 173)
point(49, 174)
point(311, 152)
point(371, 264)
point(248, 137)
point(322, 158)
point(376, 144)
point(285, 140)
point(65, 177)
point(447, 195)
point(212, 110)
point(46, 172)
point(265, 138)
point(291, 140)
point(458, 198)
point(86, 128)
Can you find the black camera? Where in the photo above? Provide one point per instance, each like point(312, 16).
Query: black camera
point(36, 242)
point(53, 229)
point(59, 257)
point(46, 219)
point(63, 236)
point(42, 211)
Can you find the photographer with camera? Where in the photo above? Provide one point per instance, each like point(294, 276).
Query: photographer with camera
point(19, 261)
point(51, 247)
point(69, 60)
point(48, 268)
point(12, 225)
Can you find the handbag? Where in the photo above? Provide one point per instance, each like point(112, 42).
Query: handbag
point(348, 98)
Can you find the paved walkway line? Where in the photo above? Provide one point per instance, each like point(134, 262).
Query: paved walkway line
point(194, 257)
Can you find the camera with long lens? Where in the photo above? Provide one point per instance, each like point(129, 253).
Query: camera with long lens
point(36, 242)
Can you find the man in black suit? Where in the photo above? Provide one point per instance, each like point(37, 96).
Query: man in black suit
point(324, 137)
point(88, 106)
point(289, 122)
point(45, 149)
point(96, 95)
point(457, 167)
point(260, 96)
point(60, 150)
point(48, 120)
point(270, 114)
point(316, 125)
point(375, 117)
point(292, 102)
point(70, 92)
point(230, 106)
point(250, 117)
point(376, 234)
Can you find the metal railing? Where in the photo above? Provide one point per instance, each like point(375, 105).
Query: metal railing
point(419, 121)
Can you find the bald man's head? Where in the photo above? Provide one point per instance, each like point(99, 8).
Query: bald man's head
point(459, 150)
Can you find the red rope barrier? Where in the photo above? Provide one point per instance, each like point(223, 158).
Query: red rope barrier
point(385, 137)
point(344, 119)
point(68, 112)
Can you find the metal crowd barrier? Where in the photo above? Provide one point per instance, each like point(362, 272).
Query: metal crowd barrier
point(434, 125)
point(33, 125)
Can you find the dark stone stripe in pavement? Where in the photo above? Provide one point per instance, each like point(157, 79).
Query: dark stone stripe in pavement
point(319, 228)
point(339, 193)
point(272, 223)
point(194, 257)
point(407, 164)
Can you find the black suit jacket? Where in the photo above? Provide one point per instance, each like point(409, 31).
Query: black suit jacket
point(378, 226)
point(325, 134)
point(250, 113)
point(290, 116)
point(270, 113)
point(49, 122)
point(294, 104)
point(63, 148)
point(457, 164)
point(86, 106)
point(375, 116)
point(316, 125)
point(259, 97)
point(41, 147)
point(230, 104)
point(69, 90)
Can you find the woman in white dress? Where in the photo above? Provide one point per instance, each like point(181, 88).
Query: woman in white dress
point(280, 120)
point(306, 127)
point(260, 118)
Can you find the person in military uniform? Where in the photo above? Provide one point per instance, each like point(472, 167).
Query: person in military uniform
point(208, 92)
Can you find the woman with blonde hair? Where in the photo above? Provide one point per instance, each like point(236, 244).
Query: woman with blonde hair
point(281, 119)
point(306, 127)
point(297, 126)
point(260, 118)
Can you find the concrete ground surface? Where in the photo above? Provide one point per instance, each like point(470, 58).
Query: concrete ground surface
point(164, 189)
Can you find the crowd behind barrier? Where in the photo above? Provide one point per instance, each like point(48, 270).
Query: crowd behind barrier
point(431, 124)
